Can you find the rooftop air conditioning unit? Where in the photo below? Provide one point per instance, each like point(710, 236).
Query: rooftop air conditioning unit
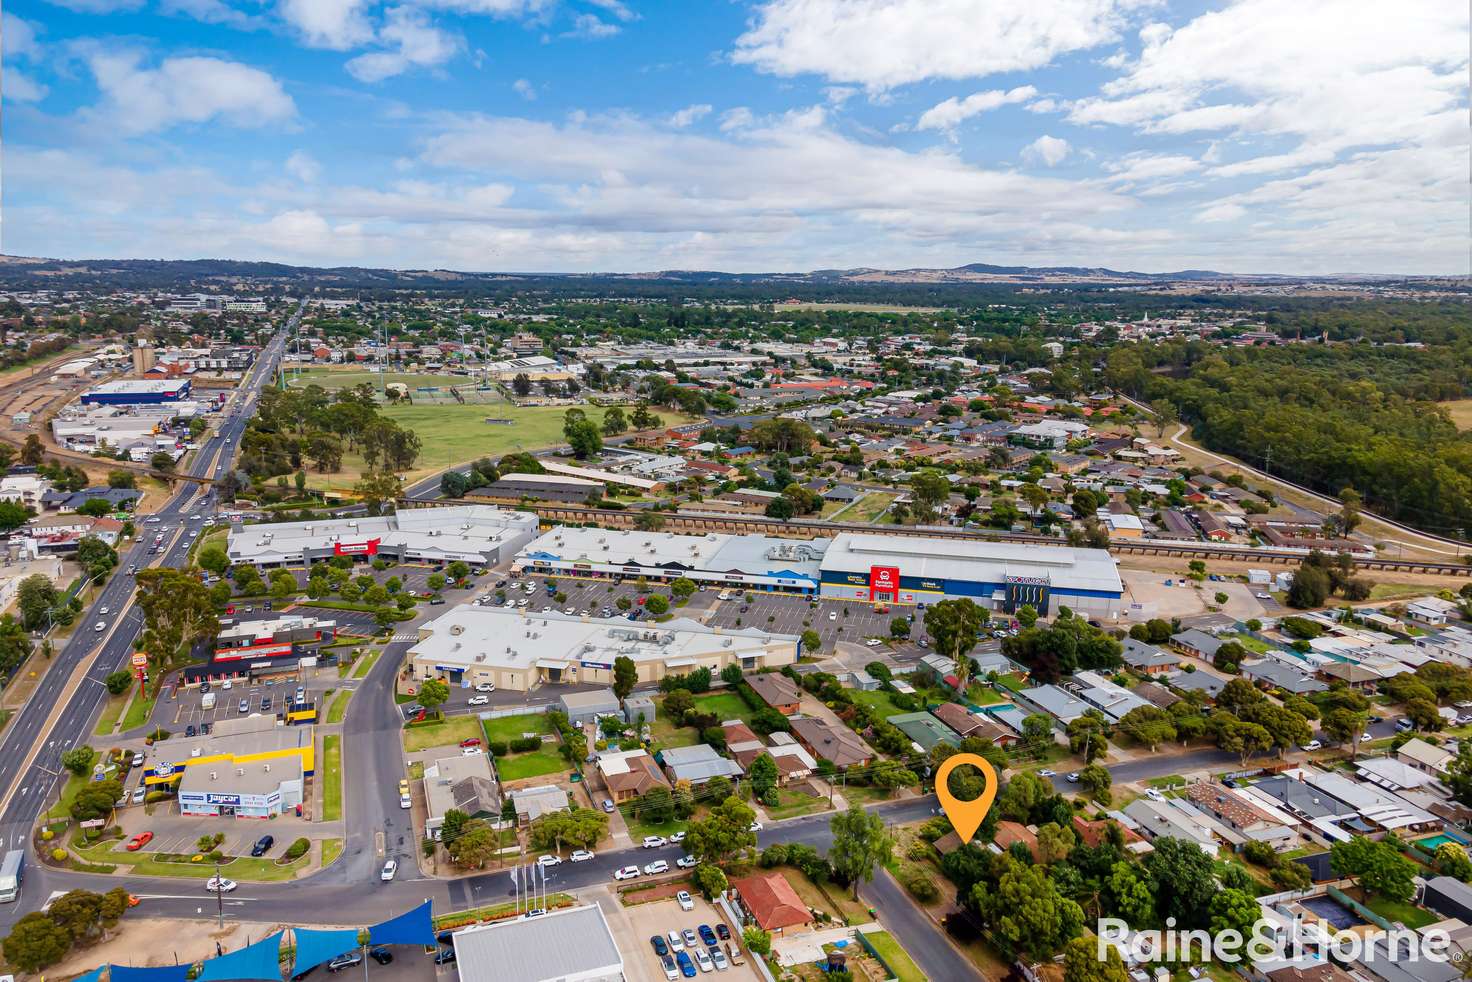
point(214, 776)
point(457, 629)
point(240, 771)
point(268, 768)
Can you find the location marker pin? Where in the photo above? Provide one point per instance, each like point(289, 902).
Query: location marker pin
point(966, 816)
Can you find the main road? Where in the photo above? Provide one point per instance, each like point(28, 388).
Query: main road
point(59, 713)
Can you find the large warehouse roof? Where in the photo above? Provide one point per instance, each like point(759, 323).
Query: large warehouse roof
point(458, 529)
point(975, 561)
point(756, 555)
point(569, 945)
point(497, 637)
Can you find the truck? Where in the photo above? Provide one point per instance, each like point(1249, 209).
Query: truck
point(207, 701)
point(11, 868)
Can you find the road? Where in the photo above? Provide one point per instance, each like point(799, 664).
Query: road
point(917, 933)
point(59, 714)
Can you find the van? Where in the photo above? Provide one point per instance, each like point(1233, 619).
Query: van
point(733, 950)
point(207, 701)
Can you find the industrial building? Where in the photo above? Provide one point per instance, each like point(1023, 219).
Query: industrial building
point(542, 487)
point(478, 534)
point(134, 392)
point(244, 768)
point(742, 562)
point(996, 575)
point(537, 949)
point(515, 650)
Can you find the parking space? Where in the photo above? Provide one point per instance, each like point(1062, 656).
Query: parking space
point(660, 917)
point(180, 834)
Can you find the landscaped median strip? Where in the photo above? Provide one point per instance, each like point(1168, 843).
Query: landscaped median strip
point(330, 768)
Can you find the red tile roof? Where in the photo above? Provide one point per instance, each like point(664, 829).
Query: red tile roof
point(772, 900)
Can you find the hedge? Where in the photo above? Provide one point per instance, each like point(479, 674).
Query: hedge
point(297, 849)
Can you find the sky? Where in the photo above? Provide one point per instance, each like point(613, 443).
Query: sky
point(1288, 136)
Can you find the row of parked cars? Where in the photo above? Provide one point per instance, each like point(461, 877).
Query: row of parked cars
point(705, 949)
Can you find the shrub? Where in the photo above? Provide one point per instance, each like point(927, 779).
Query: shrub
point(498, 748)
point(297, 849)
point(58, 854)
point(155, 796)
point(919, 850)
point(522, 744)
point(921, 886)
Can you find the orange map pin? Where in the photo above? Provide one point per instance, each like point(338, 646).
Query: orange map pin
point(966, 816)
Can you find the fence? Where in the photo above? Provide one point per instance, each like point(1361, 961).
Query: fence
point(542, 707)
point(890, 974)
point(1340, 897)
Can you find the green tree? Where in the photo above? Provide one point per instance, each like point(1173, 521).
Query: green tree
point(709, 880)
point(682, 587)
point(1379, 867)
point(433, 693)
point(656, 806)
point(582, 434)
point(953, 626)
point(213, 558)
point(36, 598)
point(1128, 893)
point(36, 941)
point(1186, 881)
point(475, 847)
point(1027, 914)
point(1234, 910)
point(810, 640)
point(614, 422)
point(95, 800)
point(13, 515)
point(117, 682)
point(860, 842)
point(177, 611)
point(1345, 726)
point(1149, 726)
point(763, 775)
point(580, 828)
point(753, 937)
point(657, 605)
point(79, 759)
point(723, 833)
point(1081, 963)
point(625, 676)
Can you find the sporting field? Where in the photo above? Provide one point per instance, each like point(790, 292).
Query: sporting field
point(334, 379)
point(1461, 412)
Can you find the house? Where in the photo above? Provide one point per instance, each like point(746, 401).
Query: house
point(587, 707)
point(1255, 821)
point(771, 901)
point(697, 764)
point(793, 762)
point(1431, 610)
point(1010, 834)
point(842, 494)
point(1095, 833)
point(1213, 527)
point(463, 783)
point(1166, 819)
point(1156, 695)
point(1425, 757)
point(1050, 700)
point(967, 723)
point(1196, 643)
point(924, 730)
point(1148, 659)
point(532, 803)
point(1114, 701)
point(1205, 682)
point(777, 691)
point(838, 745)
point(1357, 676)
point(1270, 673)
point(629, 774)
point(1449, 897)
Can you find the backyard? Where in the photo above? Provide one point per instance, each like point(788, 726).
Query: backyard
point(791, 804)
point(898, 960)
point(447, 732)
point(867, 508)
point(546, 759)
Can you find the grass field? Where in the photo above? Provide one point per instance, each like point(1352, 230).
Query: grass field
point(535, 763)
point(454, 433)
point(110, 713)
point(1410, 915)
point(68, 794)
point(866, 509)
point(1460, 411)
point(445, 733)
point(982, 694)
point(331, 849)
point(638, 828)
point(333, 379)
point(791, 804)
point(138, 712)
point(331, 771)
point(363, 665)
point(898, 960)
point(877, 699)
point(338, 707)
point(509, 728)
point(724, 705)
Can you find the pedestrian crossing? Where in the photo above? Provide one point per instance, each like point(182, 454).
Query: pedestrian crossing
point(402, 638)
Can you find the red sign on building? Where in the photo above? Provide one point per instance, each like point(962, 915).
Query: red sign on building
point(369, 548)
point(884, 579)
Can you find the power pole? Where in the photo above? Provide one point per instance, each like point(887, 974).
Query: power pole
point(219, 895)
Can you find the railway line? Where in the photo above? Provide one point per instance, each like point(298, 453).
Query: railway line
point(689, 523)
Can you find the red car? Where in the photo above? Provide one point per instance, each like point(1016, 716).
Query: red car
point(470, 742)
point(641, 601)
point(139, 841)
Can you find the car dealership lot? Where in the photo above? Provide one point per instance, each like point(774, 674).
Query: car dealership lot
point(664, 916)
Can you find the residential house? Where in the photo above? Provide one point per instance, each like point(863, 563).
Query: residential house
point(1148, 659)
point(772, 902)
point(1114, 701)
point(1269, 673)
point(697, 764)
point(1426, 757)
point(1168, 819)
point(629, 774)
point(532, 803)
point(1063, 706)
point(1156, 695)
point(1253, 820)
point(777, 691)
point(836, 744)
point(1205, 682)
point(1010, 834)
point(924, 730)
point(464, 783)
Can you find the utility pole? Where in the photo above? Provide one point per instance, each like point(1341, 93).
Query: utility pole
point(219, 895)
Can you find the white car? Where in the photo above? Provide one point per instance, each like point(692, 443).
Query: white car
point(218, 884)
point(685, 901)
point(654, 841)
point(1047, 773)
point(1312, 745)
point(405, 801)
point(1263, 596)
point(833, 615)
point(656, 867)
point(549, 860)
point(100, 626)
point(389, 869)
point(105, 611)
point(677, 837)
point(627, 873)
point(140, 795)
point(137, 760)
point(581, 856)
point(570, 611)
point(486, 687)
point(719, 957)
point(755, 827)
point(469, 751)
point(687, 862)
point(478, 701)
point(703, 960)
point(1153, 794)
point(873, 642)
point(677, 943)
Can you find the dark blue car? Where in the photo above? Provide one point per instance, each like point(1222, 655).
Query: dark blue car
point(687, 967)
point(707, 935)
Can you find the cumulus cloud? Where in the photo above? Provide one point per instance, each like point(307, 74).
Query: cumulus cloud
point(413, 42)
point(525, 89)
point(592, 27)
point(690, 114)
point(1046, 150)
point(335, 24)
point(1141, 166)
point(19, 37)
point(303, 166)
point(183, 90)
point(946, 116)
point(881, 44)
point(21, 87)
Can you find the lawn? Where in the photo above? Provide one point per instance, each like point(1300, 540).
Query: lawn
point(877, 699)
point(331, 849)
point(723, 705)
point(110, 713)
point(334, 379)
point(113, 851)
point(867, 508)
point(898, 960)
point(338, 707)
point(448, 732)
point(363, 665)
point(864, 794)
point(638, 828)
point(331, 771)
point(69, 790)
point(1410, 915)
point(663, 733)
point(791, 804)
point(138, 712)
point(1011, 682)
point(509, 728)
point(535, 763)
point(834, 899)
point(1252, 644)
point(1460, 411)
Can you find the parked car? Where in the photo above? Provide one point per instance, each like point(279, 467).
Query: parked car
point(263, 845)
point(719, 957)
point(390, 868)
point(690, 939)
point(677, 943)
point(626, 873)
point(702, 958)
point(469, 751)
point(244, 706)
point(1312, 745)
point(687, 862)
point(608, 806)
point(486, 687)
point(723, 932)
point(444, 956)
point(381, 954)
point(343, 961)
point(478, 701)
point(671, 970)
point(1047, 773)
point(754, 827)
point(707, 936)
point(140, 795)
point(139, 841)
point(676, 838)
point(655, 841)
point(581, 856)
point(549, 860)
point(687, 967)
point(661, 947)
point(138, 760)
point(685, 901)
point(657, 867)
point(219, 884)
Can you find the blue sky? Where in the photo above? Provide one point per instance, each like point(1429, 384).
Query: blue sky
point(1312, 136)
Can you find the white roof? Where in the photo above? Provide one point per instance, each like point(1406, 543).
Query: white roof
point(975, 561)
point(536, 949)
point(459, 531)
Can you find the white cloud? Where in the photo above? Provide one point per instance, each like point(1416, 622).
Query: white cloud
point(413, 42)
point(303, 166)
point(617, 8)
point(495, 8)
point(591, 26)
point(21, 87)
point(886, 43)
point(946, 116)
point(1228, 212)
point(335, 24)
point(184, 90)
point(690, 114)
point(99, 6)
point(1142, 166)
point(18, 37)
point(212, 12)
point(525, 89)
point(1047, 150)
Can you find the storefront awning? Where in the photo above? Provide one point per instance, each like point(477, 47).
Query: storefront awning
point(552, 663)
point(679, 663)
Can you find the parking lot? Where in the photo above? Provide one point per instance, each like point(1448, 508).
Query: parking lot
point(663, 916)
point(179, 834)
